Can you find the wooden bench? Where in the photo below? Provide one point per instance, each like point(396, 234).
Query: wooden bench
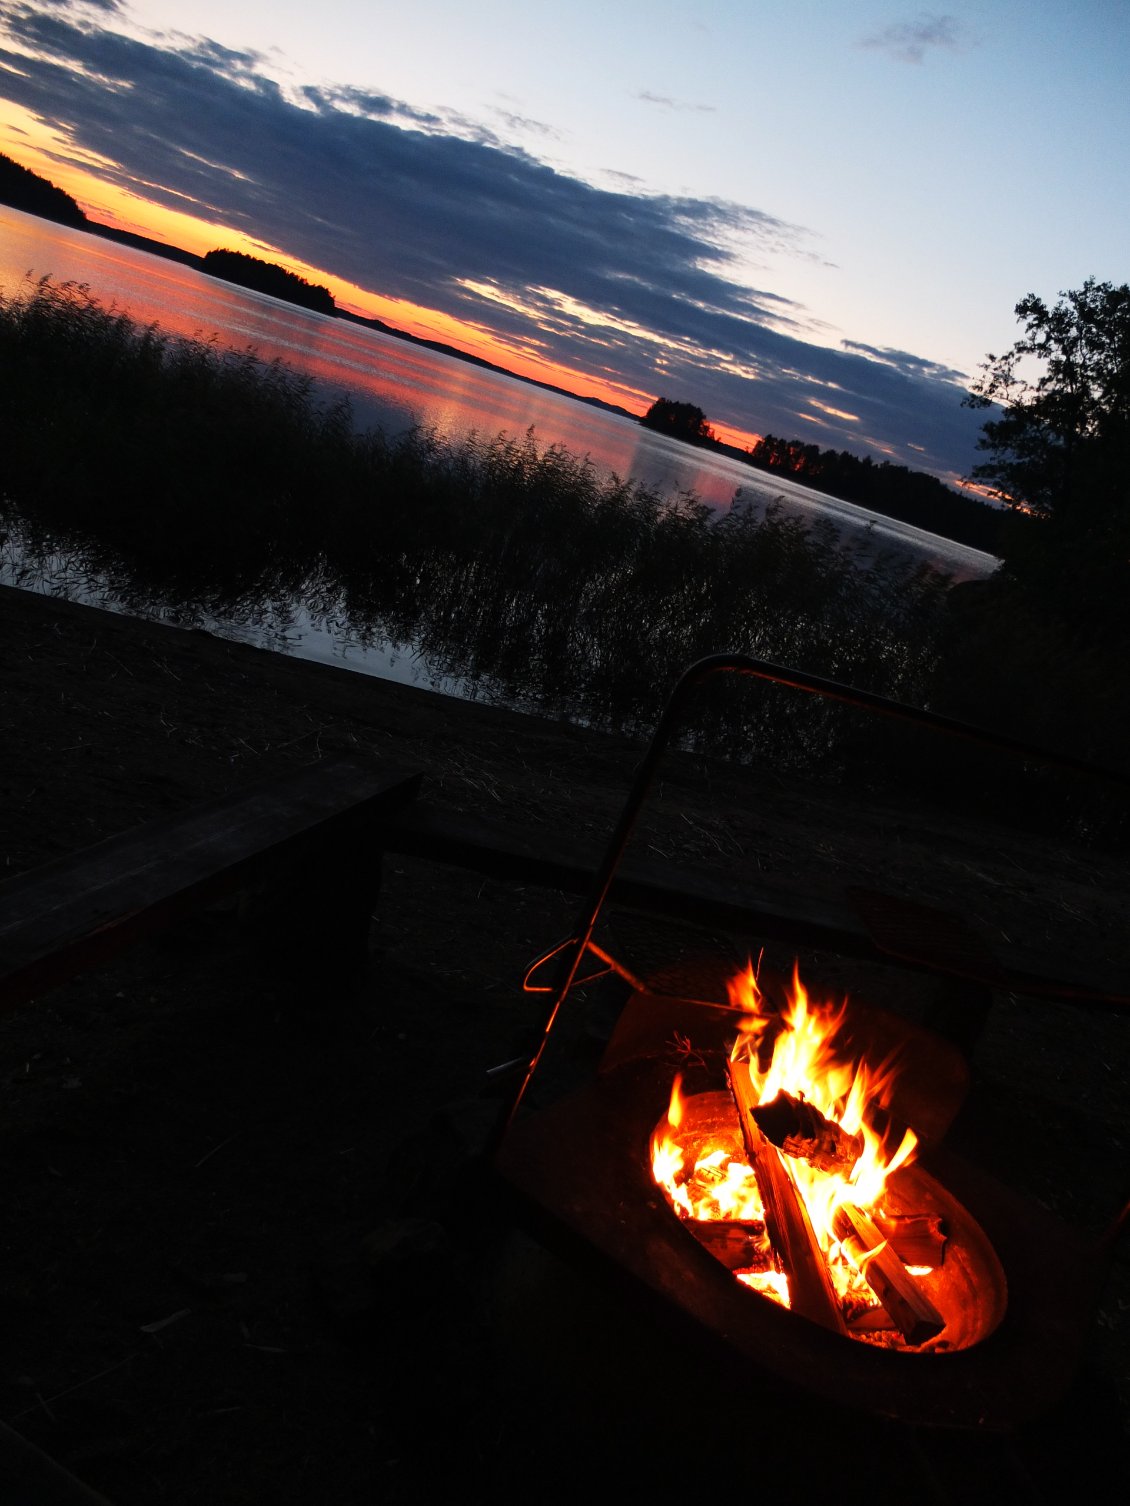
point(864, 924)
point(314, 834)
point(317, 835)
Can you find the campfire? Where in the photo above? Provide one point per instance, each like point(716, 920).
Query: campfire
point(769, 1175)
point(789, 1179)
point(776, 1182)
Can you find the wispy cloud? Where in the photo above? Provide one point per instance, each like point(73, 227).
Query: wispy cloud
point(523, 123)
point(107, 7)
point(440, 213)
point(902, 360)
point(666, 102)
point(909, 41)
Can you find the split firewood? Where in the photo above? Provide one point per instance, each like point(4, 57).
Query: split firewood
point(741, 1245)
point(801, 1130)
point(870, 1320)
point(916, 1238)
point(915, 1316)
point(786, 1219)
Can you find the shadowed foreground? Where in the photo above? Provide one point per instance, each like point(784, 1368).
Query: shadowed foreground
point(247, 1255)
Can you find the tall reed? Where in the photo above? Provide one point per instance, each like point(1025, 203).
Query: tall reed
point(191, 480)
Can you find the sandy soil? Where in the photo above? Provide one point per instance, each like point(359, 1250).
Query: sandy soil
point(246, 1258)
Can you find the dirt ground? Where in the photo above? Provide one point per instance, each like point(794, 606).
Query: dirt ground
point(249, 1255)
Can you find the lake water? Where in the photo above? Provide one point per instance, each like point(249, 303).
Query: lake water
point(394, 385)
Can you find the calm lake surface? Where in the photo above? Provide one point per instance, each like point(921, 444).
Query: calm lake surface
point(394, 385)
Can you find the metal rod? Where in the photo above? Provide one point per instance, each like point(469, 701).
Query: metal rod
point(796, 679)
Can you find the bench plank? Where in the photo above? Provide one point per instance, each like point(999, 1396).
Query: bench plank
point(561, 862)
point(557, 861)
point(70, 913)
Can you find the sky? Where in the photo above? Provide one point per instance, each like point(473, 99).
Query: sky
point(812, 219)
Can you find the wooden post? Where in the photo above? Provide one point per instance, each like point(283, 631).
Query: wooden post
point(786, 1219)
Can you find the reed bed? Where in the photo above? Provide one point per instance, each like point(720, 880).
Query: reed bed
point(180, 479)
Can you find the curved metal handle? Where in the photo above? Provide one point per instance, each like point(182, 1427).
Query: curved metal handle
point(744, 664)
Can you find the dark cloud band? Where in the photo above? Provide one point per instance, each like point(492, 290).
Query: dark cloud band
point(416, 207)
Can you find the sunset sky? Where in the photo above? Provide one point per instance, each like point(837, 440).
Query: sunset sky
point(810, 218)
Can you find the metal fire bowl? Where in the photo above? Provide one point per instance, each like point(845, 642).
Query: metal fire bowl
point(1017, 1288)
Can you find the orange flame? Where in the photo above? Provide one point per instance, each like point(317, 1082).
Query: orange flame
point(796, 1053)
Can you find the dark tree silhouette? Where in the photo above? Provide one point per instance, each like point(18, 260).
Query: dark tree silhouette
point(680, 420)
point(23, 189)
point(266, 277)
point(1059, 453)
point(894, 490)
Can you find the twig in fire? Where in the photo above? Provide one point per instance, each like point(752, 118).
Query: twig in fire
point(679, 1048)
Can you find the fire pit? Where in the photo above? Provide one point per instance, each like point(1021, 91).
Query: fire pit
point(769, 1171)
point(1010, 1332)
point(802, 1181)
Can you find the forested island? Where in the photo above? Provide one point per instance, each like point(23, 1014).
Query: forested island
point(267, 277)
point(683, 421)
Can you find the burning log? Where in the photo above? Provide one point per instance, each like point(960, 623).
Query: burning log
point(786, 1218)
point(914, 1315)
point(800, 1129)
point(870, 1320)
point(741, 1245)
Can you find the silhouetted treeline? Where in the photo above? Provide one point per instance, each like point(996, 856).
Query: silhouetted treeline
point(894, 490)
point(679, 420)
point(266, 277)
point(23, 189)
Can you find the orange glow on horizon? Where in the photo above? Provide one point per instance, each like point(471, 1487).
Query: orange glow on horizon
point(49, 153)
point(477, 340)
point(742, 439)
point(43, 150)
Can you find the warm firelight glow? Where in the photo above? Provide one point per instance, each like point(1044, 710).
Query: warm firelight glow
point(795, 1053)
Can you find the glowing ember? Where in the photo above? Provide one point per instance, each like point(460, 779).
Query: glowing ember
point(822, 1117)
